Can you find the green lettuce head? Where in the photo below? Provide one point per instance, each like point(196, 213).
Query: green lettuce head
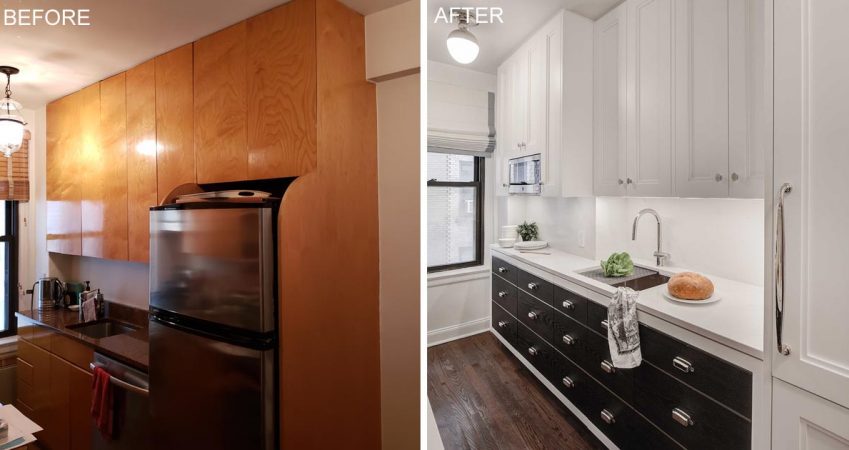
point(618, 265)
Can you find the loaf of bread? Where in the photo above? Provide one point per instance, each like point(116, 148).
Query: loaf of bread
point(690, 286)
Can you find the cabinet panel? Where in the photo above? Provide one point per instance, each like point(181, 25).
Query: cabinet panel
point(281, 128)
point(104, 183)
point(503, 107)
point(220, 89)
point(649, 99)
point(141, 158)
point(801, 420)
point(64, 223)
point(701, 86)
point(175, 162)
point(609, 112)
point(536, 93)
point(79, 413)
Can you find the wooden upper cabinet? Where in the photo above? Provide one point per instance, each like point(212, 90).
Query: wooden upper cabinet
point(175, 161)
point(141, 158)
point(104, 175)
point(63, 191)
point(220, 89)
point(281, 106)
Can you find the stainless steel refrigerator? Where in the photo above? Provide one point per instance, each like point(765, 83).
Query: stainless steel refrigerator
point(213, 338)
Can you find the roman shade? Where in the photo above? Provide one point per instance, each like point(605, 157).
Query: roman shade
point(14, 173)
point(460, 120)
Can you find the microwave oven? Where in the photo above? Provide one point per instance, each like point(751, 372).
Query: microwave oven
point(525, 175)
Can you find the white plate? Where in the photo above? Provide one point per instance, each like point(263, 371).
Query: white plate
point(712, 299)
point(530, 245)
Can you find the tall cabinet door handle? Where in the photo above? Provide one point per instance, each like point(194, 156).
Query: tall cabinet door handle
point(778, 264)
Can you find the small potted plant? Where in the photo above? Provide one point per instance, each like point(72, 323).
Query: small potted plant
point(528, 231)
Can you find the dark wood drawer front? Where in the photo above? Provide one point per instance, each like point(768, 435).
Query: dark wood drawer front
point(507, 271)
point(571, 304)
point(536, 286)
point(623, 425)
point(569, 337)
point(599, 365)
point(538, 352)
point(536, 315)
point(596, 314)
point(669, 403)
point(504, 294)
point(725, 382)
point(504, 324)
point(571, 381)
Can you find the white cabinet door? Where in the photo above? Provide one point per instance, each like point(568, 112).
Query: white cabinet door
point(803, 421)
point(811, 138)
point(503, 134)
point(701, 98)
point(649, 100)
point(746, 157)
point(537, 89)
point(519, 68)
point(609, 112)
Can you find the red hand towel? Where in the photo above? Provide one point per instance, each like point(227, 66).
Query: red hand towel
point(102, 402)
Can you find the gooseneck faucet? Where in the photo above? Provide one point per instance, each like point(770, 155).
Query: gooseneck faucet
point(659, 254)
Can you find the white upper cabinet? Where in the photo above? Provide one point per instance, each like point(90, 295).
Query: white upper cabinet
point(544, 96)
point(609, 114)
point(674, 93)
point(701, 85)
point(649, 99)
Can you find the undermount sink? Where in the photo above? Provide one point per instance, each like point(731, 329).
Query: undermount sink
point(640, 280)
point(102, 328)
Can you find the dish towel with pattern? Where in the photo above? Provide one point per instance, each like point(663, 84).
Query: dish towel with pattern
point(623, 329)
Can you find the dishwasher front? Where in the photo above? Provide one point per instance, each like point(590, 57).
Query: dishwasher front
point(130, 390)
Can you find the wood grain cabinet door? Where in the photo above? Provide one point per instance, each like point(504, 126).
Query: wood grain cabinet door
point(141, 158)
point(281, 127)
point(104, 176)
point(220, 89)
point(79, 414)
point(175, 161)
point(63, 192)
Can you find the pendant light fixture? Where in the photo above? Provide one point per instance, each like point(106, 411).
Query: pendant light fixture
point(11, 121)
point(462, 44)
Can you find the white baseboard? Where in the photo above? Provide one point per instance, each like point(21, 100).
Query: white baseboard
point(453, 332)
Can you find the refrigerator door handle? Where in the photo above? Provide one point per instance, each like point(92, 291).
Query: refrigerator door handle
point(123, 384)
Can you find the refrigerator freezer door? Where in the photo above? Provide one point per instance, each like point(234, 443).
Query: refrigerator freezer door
point(209, 394)
point(214, 264)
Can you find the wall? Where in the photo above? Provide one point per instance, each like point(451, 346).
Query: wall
point(722, 237)
point(566, 223)
point(458, 301)
point(392, 60)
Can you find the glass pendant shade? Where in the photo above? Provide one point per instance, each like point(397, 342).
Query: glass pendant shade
point(11, 126)
point(463, 46)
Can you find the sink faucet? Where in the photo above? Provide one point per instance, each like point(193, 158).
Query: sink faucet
point(659, 254)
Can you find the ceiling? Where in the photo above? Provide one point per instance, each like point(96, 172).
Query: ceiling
point(497, 41)
point(55, 61)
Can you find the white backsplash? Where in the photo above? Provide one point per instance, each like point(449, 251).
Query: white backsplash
point(722, 237)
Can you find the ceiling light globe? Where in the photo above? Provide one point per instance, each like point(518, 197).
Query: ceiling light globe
point(11, 135)
point(463, 46)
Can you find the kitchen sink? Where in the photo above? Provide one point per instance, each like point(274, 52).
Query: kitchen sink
point(640, 280)
point(102, 328)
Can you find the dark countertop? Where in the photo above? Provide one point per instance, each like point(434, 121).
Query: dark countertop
point(130, 348)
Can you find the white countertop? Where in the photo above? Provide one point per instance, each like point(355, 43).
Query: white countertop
point(736, 320)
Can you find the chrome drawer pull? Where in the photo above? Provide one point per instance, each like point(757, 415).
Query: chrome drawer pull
point(502, 294)
point(683, 365)
point(568, 305)
point(503, 324)
point(682, 418)
point(568, 340)
point(533, 286)
point(604, 324)
point(532, 315)
point(607, 417)
point(533, 351)
point(607, 366)
point(502, 269)
point(568, 382)
point(778, 267)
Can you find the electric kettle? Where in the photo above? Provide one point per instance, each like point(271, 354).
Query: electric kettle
point(50, 293)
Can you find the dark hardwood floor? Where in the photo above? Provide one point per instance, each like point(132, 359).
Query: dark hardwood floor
point(483, 398)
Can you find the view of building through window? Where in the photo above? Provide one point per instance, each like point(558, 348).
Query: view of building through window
point(452, 220)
